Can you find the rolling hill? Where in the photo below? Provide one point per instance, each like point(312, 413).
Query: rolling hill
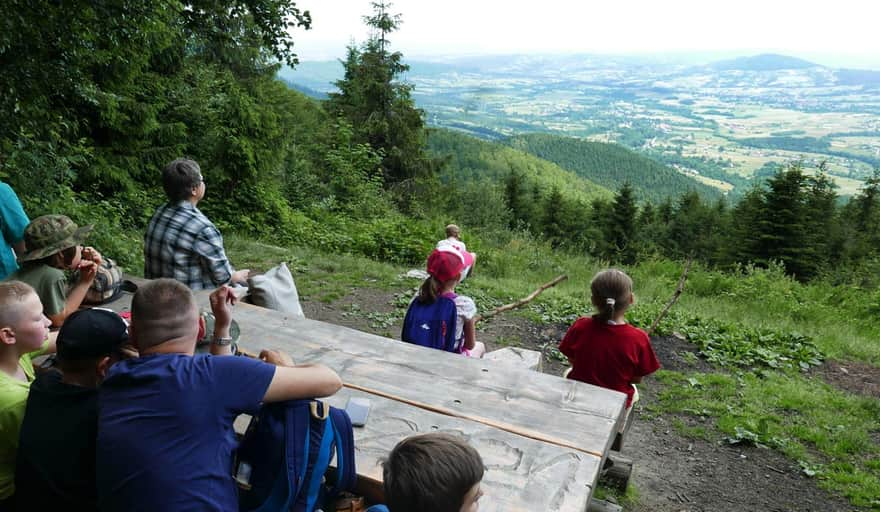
point(763, 62)
point(472, 159)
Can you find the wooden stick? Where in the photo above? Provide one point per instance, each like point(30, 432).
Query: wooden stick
point(525, 300)
point(513, 429)
point(675, 295)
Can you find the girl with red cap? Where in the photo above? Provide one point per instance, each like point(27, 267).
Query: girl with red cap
point(438, 317)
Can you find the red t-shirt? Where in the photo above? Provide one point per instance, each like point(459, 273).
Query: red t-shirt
point(608, 355)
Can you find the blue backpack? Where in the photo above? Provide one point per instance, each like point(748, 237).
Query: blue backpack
point(431, 325)
point(285, 453)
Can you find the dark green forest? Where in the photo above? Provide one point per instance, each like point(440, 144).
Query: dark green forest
point(99, 96)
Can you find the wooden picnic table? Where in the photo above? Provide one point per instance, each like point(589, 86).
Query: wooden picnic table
point(543, 438)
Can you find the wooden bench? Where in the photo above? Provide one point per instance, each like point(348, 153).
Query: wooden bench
point(543, 439)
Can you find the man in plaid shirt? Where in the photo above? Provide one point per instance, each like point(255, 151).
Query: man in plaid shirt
point(181, 243)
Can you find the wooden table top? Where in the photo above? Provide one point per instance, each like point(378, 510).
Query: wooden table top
point(542, 438)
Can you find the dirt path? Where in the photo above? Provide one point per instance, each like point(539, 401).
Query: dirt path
point(672, 473)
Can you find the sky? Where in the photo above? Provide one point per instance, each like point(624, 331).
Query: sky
point(842, 32)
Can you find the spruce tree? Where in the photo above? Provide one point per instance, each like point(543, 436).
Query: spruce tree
point(620, 232)
point(379, 105)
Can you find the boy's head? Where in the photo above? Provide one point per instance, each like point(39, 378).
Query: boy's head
point(453, 231)
point(433, 473)
point(163, 310)
point(181, 179)
point(51, 235)
point(90, 341)
point(22, 322)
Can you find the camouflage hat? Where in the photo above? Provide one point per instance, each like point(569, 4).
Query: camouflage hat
point(48, 234)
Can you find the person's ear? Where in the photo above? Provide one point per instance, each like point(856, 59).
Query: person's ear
point(133, 335)
point(103, 365)
point(7, 336)
point(632, 299)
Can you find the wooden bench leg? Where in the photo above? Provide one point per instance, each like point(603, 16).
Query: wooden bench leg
point(617, 475)
point(618, 439)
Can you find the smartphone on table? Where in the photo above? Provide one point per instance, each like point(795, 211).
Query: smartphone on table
point(358, 409)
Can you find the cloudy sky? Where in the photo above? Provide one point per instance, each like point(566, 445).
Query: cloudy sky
point(842, 31)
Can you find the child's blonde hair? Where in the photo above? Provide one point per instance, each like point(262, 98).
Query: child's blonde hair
point(12, 296)
point(452, 230)
point(611, 289)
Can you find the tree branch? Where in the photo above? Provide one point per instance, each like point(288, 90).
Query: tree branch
point(525, 300)
point(675, 295)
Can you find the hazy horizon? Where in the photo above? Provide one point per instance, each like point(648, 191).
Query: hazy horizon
point(839, 37)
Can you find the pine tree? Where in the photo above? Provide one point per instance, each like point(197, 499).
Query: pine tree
point(378, 105)
point(620, 230)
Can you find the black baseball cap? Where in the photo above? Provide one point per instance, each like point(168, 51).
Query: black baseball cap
point(90, 334)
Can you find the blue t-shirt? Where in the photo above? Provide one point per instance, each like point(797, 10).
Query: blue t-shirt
point(12, 223)
point(165, 436)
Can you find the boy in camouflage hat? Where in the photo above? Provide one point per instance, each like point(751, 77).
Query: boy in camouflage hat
point(54, 244)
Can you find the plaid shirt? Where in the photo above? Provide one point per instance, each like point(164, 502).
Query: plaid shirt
point(181, 243)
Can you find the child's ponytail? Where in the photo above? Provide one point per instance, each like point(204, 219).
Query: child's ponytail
point(428, 291)
point(611, 290)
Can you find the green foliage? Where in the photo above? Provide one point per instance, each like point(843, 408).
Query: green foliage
point(736, 346)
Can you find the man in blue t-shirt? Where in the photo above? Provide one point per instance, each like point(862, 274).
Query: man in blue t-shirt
point(165, 435)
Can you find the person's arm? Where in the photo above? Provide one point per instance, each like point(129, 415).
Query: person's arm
point(301, 381)
point(209, 246)
point(222, 299)
point(87, 272)
point(470, 334)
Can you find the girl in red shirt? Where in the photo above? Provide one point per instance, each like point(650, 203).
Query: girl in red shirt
point(603, 349)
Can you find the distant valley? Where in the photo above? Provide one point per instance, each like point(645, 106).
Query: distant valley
point(721, 124)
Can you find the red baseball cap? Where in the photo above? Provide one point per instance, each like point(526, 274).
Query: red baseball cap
point(445, 265)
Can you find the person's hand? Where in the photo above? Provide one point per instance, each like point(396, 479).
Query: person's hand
point(87, 271)
point(90, 254)
point(222, 299)
point(240, 276)
point(276, 357)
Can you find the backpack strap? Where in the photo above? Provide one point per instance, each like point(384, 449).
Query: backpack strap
point(346, 474)
point(313, 486)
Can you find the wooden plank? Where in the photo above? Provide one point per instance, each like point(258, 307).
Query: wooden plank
point(522, 474)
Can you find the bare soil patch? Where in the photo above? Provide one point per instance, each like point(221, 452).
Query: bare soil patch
point(853, 376)
point(672, 473)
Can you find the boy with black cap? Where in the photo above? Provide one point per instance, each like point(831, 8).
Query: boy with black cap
point(55, 468)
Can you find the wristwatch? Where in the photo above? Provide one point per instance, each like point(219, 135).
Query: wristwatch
point(221, 341)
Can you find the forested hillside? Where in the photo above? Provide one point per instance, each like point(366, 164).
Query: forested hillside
point(612, 165)
point(467, 158)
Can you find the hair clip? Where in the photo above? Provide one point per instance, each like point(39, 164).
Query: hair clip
point(610, 301)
